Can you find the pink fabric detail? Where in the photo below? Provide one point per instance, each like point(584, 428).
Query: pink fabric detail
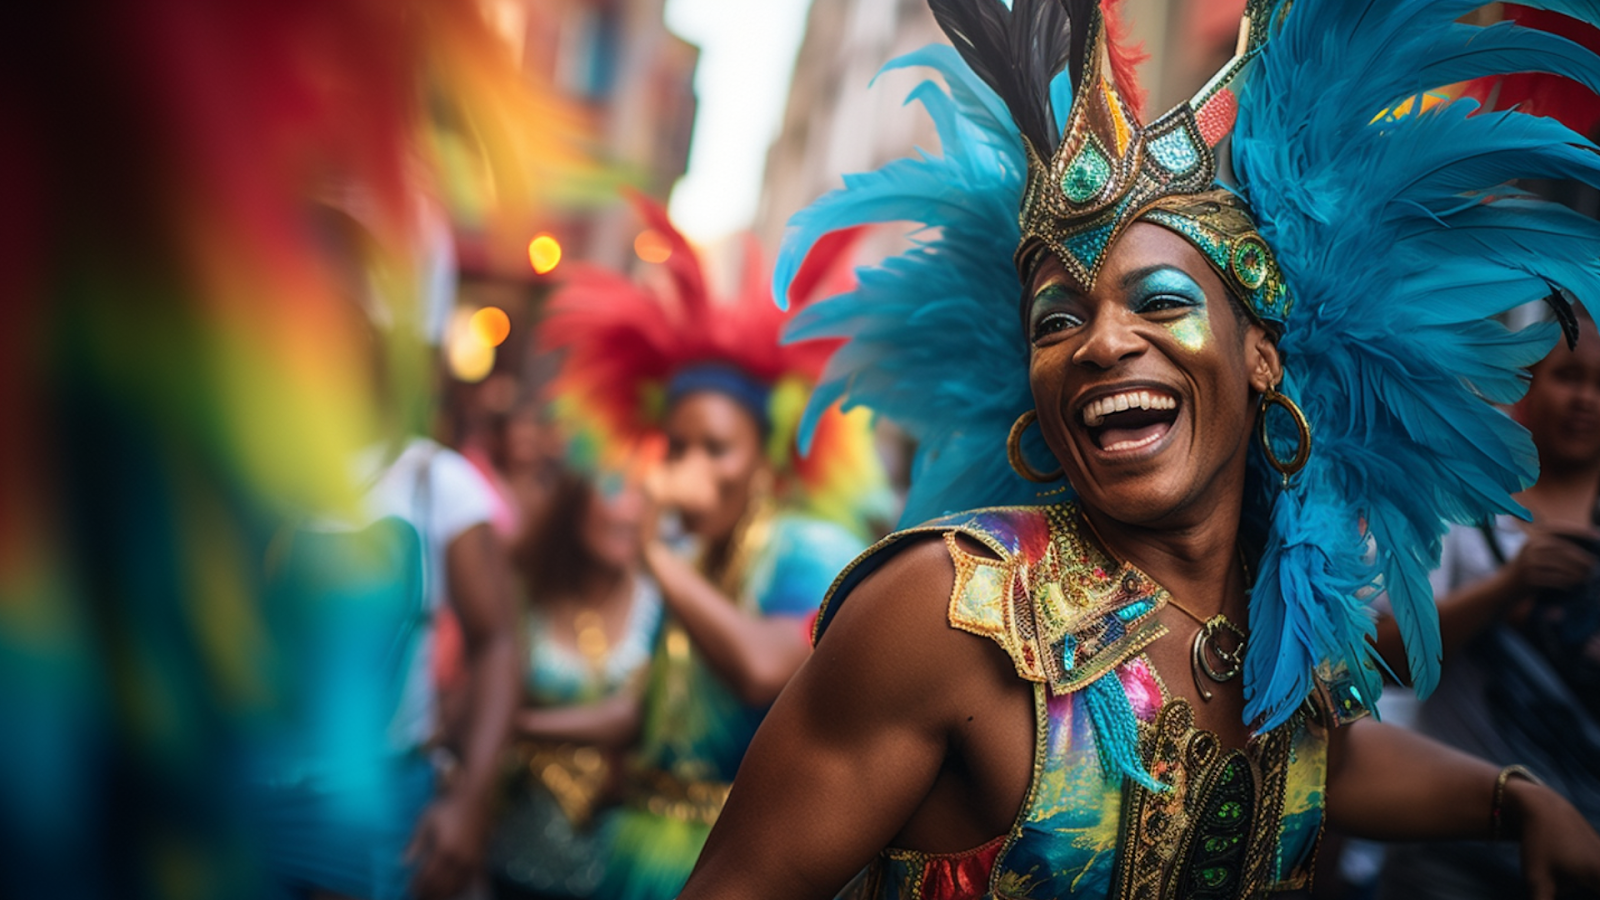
point(1144, 693)
point(960, 876)
point(1217, 116)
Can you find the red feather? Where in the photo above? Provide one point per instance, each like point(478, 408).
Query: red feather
point(1541, 94)
point(623, 341)
point(1125, 58)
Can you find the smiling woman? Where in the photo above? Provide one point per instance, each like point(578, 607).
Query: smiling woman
point(1152, 679)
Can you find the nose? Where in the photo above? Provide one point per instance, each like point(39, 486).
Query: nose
point(1587, 397)
point(1109, 338)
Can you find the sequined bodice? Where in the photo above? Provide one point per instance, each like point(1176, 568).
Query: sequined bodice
point(1227, 823)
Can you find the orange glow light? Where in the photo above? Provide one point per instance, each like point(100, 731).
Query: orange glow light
point(544, 252)
point(491, 325)
point(652, 247)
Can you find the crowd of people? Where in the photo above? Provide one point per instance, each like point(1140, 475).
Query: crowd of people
point(1251, 544)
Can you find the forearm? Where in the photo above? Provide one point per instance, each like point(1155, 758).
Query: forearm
point(494, 674)
point(756, 656)
point(612, 722)
point(1387, 783)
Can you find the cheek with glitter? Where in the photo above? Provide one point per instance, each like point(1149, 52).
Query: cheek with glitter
point(1192, 331)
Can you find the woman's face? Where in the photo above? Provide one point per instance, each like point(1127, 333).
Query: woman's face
point(1146, 386)
point(613, 521)
point(525, 439)
point(1562, 409)
point(713, 439)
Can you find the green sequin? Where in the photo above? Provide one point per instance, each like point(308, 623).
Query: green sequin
point(1086, 175)
point(1230, 811)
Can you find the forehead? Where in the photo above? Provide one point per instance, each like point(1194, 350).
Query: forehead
point(708, 413)
point(1141, 246)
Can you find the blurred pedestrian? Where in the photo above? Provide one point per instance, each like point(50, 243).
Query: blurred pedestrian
point(1519, 621)
point(746, 554)
point(415, 824)
point(590, 621)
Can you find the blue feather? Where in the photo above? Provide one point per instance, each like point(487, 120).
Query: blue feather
point(952, 296)
point(1399, 238)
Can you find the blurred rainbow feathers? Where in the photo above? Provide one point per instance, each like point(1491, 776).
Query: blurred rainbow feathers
point(181, 370)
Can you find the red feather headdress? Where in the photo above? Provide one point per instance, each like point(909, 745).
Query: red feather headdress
point(623, 342)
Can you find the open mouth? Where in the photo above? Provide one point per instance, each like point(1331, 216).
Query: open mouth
point(1130, 420)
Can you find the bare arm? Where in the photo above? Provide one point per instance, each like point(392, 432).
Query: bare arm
point(1547, 561)
point(612, 722)
point(755, 655)
point(1388, 783)
point(850, 751)
point(449, 839)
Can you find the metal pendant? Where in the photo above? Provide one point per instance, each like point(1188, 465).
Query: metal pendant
point(1208, 647)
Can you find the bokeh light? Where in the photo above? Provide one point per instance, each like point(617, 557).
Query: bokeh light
point(469, 356)
point(544, 252)
point(652, 247)
point(490, 325)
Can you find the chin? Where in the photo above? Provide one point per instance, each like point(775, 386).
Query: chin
point(1144, 489)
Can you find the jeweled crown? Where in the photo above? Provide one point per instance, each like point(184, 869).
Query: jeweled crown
point(1109, 170)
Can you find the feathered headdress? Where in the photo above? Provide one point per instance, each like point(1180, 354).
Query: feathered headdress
point(1394, 233)
point(630, 349)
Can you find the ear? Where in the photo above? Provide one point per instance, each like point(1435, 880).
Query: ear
point(1261, 354)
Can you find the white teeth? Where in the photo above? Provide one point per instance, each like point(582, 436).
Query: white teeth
point(1096, 410)
point(1133, 445)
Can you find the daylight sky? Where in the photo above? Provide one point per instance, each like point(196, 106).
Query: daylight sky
point(747, 50)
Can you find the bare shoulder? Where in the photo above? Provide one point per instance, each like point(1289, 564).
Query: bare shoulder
point(891, 635)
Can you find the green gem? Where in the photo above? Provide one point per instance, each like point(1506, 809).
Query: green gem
point(1219, 844)
point(1213, 876)
point(1086, 175)
point(1250, 263)
point(1230, 810)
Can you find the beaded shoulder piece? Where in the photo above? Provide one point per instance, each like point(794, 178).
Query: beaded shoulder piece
point(1059, 607)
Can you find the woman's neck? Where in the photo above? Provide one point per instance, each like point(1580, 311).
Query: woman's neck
point(1199, 562)
point(588, 585)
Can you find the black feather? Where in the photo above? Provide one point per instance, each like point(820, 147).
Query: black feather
point(1561, 302)
point(1017, 52)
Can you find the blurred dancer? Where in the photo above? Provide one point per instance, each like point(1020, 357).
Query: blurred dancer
point(759, 548)
point(1519, 621)
point(591, 620)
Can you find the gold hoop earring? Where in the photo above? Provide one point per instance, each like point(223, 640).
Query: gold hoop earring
point(1302, 449)
point(1019, 463)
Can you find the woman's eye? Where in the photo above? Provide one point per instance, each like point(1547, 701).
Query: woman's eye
point(1165, 302)
point(1053, 323)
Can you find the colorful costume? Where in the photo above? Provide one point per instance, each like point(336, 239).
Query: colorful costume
point(630, 353)
point(1370, 230)
point(551, 839)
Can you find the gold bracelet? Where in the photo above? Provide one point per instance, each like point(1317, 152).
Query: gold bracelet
point(1496, 812)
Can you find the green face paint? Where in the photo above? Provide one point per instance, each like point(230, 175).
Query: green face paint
point(1169, 288)
point(1192, 331)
